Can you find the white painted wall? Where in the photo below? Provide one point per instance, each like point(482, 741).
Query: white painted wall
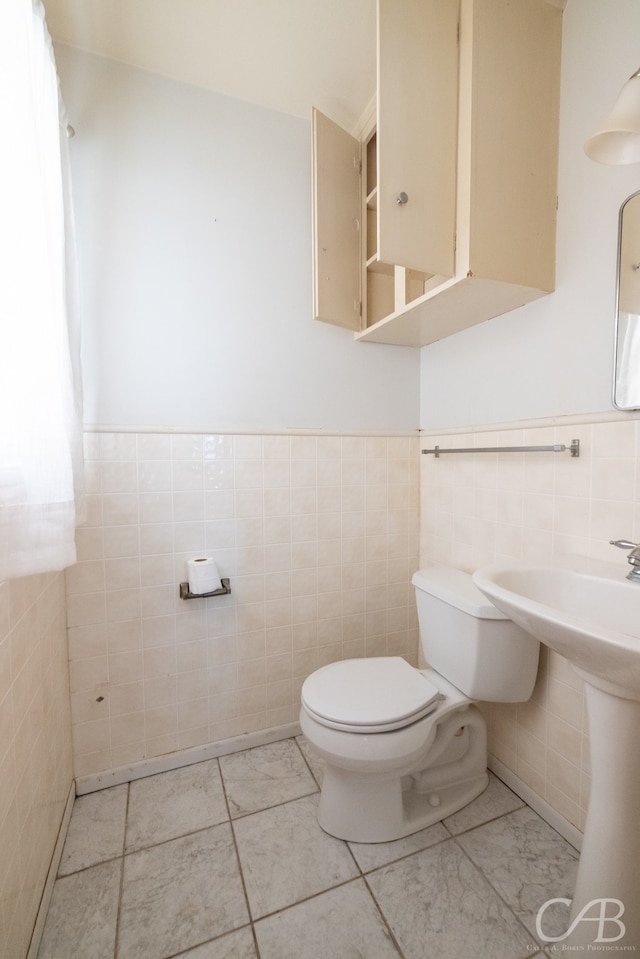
point(193, 217)
point(555, 356)
point(194, 233)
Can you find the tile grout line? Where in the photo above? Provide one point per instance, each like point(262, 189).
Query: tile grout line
point(121, 886)
point(387, 925)
point(238, 860)
point(361, 872)
point(306, 762)
point(298, 902)
point(537, 946)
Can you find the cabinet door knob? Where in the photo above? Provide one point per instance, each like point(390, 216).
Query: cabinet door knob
point(402, 198)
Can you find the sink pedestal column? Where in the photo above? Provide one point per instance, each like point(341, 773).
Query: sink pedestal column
point(610, 859)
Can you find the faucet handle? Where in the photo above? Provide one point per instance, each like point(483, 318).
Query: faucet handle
point(623, 544)
point(633, 559)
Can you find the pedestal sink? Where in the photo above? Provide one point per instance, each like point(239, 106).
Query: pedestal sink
point(590, 614)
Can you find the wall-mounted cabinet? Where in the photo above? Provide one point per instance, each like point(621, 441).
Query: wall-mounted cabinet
point(442, 214)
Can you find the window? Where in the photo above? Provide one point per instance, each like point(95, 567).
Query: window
point(40, 409)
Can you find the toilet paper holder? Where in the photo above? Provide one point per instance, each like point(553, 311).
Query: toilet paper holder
point(185, 592)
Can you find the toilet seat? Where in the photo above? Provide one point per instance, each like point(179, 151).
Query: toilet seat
point(369, 695)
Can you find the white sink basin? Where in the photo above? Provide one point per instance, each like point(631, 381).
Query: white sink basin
point(590, 614)
point(586, 611)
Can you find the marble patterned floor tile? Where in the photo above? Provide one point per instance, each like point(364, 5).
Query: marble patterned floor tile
point(265, 776)
point(527, 862)
point(183, 897)
point(315, 763)
point(342, 923)
point(174, 803)
point(286, 857)
point(82, 915)
point(235, 945)
point(372, 855)
point(495, 801)
point(180, 894)
point(437, 903)
point(96, 829)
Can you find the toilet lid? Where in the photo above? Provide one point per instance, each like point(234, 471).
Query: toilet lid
point(369, 695)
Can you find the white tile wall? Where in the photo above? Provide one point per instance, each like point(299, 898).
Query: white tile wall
point(482, 508)
point(319, 537)
point(35, 747)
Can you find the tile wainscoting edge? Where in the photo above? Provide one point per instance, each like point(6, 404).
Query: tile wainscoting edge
point(563, 419)
point(247, 430)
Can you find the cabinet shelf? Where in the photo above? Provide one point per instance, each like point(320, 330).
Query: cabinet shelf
point(453, 305)
point(374, 265)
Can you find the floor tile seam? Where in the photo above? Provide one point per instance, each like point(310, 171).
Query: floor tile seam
point(189, 832)
point(99, 862)
point(205, 942)
point(309, 898)
point(493, 819)
point(353, 856)
point(384, 919)
point(193, 832)
point(116, 937)
point(253, 920)
point(92, 865)
point(244, 887)
point(407, 855)
point(182, 835)
point(276, 805)
point(236, 850)
point(306, 762)
point(497, 892)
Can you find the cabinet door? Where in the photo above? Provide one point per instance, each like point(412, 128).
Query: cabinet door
point(417, 133)
point(337, 204)
point(514, 152)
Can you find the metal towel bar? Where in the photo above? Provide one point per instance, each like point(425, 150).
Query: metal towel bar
point(574, 448)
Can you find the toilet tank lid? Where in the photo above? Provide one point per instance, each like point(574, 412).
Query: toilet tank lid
point(455, 587)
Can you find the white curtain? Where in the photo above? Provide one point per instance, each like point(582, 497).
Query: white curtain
point(40, 397)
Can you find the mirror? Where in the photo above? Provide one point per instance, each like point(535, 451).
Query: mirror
point(626, 380)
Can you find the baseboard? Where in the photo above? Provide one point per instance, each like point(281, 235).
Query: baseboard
point(561, 825)
point(183, 757)
point(47, 892)
point(224, 747)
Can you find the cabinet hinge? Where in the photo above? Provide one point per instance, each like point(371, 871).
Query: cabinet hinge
point(357, 164)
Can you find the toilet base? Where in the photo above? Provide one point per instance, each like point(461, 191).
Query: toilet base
point(363, 806)
point(357, 813)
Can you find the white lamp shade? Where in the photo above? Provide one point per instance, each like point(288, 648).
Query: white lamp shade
point(618, 140)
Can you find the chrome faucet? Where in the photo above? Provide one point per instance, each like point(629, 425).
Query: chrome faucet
point(633, 558)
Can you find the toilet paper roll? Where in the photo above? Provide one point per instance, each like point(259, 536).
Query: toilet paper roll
point(203, 575)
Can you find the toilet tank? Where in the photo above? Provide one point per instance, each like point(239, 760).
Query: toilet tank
point(469, 641)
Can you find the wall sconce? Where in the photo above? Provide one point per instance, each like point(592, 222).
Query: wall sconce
point(618, 139)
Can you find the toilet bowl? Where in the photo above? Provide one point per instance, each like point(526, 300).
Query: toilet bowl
point(405, 747)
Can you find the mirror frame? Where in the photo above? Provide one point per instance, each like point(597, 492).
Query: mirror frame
point(617, 339)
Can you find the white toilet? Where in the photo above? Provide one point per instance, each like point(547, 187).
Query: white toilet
point(406, 747)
